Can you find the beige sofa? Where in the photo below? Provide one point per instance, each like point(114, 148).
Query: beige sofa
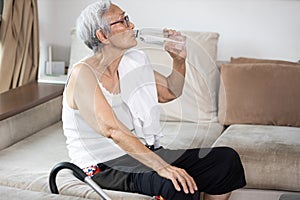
point(32, 141)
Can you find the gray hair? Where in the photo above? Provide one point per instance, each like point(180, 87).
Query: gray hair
point(90, 20)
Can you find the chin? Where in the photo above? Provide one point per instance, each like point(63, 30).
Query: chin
point(133, 43)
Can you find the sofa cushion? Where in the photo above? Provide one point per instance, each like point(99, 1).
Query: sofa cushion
point(37, 153)
point(260, 93)
point(290, 197)
point(67, 185)
point(17, 194)
point(240, 60)
point(257, 194)
point(270, 154)
point(198, 102)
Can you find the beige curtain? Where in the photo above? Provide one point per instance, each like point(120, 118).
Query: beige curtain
point(19, 44)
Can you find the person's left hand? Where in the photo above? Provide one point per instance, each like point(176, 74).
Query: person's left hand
point(177, 50)
point(179, 177)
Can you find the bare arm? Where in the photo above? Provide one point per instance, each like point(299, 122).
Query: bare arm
point(169, 88)
point(92, 105)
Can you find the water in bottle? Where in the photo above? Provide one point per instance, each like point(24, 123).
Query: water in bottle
point(156, 36)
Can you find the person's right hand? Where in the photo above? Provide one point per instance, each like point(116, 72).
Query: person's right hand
point(178, 176)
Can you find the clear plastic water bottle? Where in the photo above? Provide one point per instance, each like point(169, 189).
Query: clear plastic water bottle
point(155, 36)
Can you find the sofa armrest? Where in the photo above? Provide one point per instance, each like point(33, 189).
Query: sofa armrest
point(28, 109)
point(25, 97)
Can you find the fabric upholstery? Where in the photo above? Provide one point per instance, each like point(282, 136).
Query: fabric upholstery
point(290, 197)
point(67, 185)
point(270, 154)
point(22, 125)
point(260, 93)
point(12, 193)
point(241, 60)
point(257, 194)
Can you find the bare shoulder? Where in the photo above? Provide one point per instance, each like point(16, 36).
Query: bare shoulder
point(83, 71)
point(77, 82)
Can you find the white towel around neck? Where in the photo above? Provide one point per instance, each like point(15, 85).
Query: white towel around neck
point(138, 91)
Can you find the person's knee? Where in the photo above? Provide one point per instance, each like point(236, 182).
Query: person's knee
point(168, 191)
point(228, 155)
point(232, 162)
point(229, 161)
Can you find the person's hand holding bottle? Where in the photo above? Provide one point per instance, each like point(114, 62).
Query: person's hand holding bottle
point(176, 46)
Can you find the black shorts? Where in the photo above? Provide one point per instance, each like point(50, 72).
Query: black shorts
point(215, 170)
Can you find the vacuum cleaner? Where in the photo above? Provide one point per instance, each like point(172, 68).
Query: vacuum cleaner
point(78, 173)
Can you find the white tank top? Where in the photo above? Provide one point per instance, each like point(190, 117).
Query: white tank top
point(83, 142)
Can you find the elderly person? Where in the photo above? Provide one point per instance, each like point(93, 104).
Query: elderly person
point(111, 117)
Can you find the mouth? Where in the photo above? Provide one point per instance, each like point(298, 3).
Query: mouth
point(134, 34)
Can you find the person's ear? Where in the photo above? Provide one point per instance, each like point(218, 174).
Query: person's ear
point(102, 37)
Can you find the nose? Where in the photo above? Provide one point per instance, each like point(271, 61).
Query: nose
point(131, 25)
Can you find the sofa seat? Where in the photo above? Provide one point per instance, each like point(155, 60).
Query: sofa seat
point(26, 165)
point(270, 154)
point(15, 193)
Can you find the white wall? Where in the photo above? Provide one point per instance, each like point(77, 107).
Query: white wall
point(254, 28)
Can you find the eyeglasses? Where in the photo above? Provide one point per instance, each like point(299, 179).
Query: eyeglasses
point(124, 21)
